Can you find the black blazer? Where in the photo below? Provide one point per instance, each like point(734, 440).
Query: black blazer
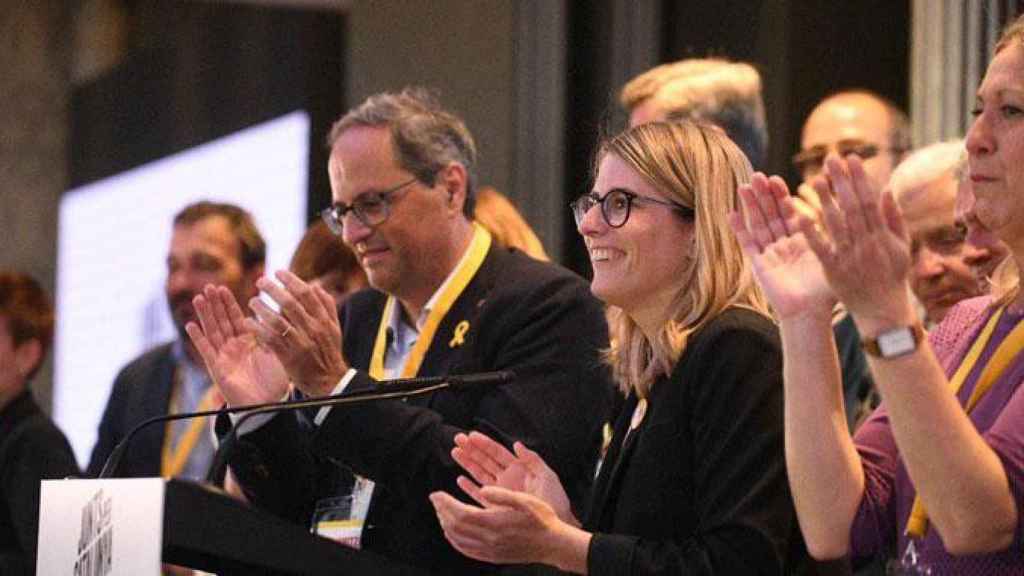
point(141, 391)
point(530, 317)
point(700, 487)
point(32, 448)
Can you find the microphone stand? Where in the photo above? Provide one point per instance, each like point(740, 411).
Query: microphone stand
point(220, 460)
point(398, 388)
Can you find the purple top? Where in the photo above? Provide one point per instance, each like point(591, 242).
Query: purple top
point(888, 492)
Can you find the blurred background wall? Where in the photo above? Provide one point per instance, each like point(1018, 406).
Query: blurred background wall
point(93, 87)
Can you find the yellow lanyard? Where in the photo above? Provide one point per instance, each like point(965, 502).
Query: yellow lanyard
point(173, 460)
point(465, 272)
point(1004, 355)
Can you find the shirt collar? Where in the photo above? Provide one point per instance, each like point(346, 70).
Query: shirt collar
point(190, 371)
point(178, 353)
point(397, 313)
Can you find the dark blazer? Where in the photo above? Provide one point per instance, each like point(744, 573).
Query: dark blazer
point(32, 448)
point(141, 391)
point(530, 317)
point(700, 486)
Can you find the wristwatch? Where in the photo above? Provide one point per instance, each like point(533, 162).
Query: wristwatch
point(895, 342)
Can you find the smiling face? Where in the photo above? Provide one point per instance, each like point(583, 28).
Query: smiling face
point(413, 250)
point(995, 146)
point(637, 267)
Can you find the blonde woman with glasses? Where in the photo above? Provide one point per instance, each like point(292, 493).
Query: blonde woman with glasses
point(694, 480)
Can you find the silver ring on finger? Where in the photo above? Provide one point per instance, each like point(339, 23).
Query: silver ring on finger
point(286, 332)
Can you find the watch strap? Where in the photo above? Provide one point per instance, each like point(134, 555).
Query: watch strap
point(872, 347)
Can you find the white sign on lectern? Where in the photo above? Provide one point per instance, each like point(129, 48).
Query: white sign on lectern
point(101, 527)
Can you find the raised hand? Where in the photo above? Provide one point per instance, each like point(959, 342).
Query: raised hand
point(491, 464)
point(244, 371)
point(863, 245)
point(305, 335)
point(770, 234)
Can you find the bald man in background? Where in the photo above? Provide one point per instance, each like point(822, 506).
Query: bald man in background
point(867, 124)
point(854, 122)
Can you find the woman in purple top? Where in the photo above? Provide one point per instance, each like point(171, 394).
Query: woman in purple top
point(936, 476)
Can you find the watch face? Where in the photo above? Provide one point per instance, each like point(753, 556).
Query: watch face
point(896, 342)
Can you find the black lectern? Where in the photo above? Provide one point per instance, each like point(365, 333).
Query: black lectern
point(114, 527)
point(210, 531)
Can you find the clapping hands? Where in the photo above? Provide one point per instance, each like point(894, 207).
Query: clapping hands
point(521, 503)
point(862, 244)
point(842, 238)
point(253, 360)
point(784, 265)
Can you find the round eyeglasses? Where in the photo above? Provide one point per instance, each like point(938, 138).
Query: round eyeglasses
point(371, 208)
point(616, 206)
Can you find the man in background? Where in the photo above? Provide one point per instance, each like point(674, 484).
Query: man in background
point(713, 90)
point(210, 243)
point(945, 264)
point(854, 122)
point(987, 271)
point(863, 123)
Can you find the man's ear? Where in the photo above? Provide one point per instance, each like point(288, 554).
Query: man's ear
point(455, 179)
point(27, 356)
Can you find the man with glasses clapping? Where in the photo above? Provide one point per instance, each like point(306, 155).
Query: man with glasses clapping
point(445, 300)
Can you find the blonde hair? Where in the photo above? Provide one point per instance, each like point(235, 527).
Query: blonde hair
point(499, 216)
point(1006, 277)
point(1013, 33)
point(715, 90)
point(698, 167)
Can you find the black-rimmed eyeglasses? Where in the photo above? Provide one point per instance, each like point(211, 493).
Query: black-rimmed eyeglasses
point(617, 204)
point(371, 208)
point(810, 161)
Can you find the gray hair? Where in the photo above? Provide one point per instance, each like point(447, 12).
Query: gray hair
point(926, 165)
point(426, 137)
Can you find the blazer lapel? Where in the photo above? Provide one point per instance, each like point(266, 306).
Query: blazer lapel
point(155, 402)
point(457, 330)
point(613, 466)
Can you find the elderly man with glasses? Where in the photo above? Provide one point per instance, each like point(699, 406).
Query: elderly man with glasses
point(445, 300)
point(947, 264)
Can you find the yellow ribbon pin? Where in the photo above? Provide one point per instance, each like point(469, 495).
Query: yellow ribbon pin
point(460, 334)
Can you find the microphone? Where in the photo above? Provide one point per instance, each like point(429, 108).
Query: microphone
point(388, 389)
